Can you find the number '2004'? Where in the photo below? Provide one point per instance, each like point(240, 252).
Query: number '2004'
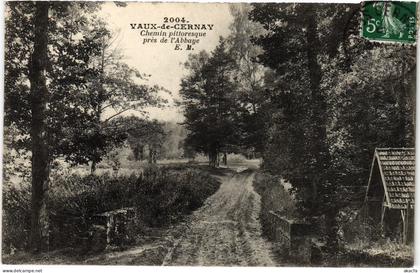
point(173, 19)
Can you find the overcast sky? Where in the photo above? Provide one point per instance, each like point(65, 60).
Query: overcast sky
point(161, 61)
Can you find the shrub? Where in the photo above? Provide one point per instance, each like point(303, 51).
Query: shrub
point(168, 194)
point(16, 216)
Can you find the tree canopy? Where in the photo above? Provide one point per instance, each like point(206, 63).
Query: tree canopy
point(88, 82)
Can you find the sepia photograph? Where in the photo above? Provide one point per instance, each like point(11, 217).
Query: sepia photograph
point(209, 134)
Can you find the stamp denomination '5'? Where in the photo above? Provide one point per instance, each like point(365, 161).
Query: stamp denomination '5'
point(389, 21)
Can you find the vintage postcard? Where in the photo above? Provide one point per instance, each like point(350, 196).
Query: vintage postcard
point(209, 134)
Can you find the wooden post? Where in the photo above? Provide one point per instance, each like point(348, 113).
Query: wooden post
point(404, 228)
point(383, 214)
point(407, 221)
point(365, 215)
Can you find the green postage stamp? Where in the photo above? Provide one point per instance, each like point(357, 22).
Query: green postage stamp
point(389, 21)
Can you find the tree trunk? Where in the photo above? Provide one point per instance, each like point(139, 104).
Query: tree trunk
point(150, 155)
point(136, 153)
point(93, 167)
point(319, 106)
point(141, 153)
point(154, 156)
point(332, 230)
point(225, 158)
point(319, 142)
point(40, 154)
point(213, 158)
point(210, 159)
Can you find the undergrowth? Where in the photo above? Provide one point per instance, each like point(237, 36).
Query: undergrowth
point(160, 196)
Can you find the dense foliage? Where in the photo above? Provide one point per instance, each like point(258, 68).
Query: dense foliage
point(311, 95)
point(62, 73)
point(333, 97)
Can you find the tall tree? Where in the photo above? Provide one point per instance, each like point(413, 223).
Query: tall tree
point(67, 73)
point(248, 74)
point(51, 89)
point(40, 152)
point(297, 43)
point(44, 85)
point(210, 105)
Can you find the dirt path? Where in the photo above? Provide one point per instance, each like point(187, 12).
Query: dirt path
point(226, 230)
